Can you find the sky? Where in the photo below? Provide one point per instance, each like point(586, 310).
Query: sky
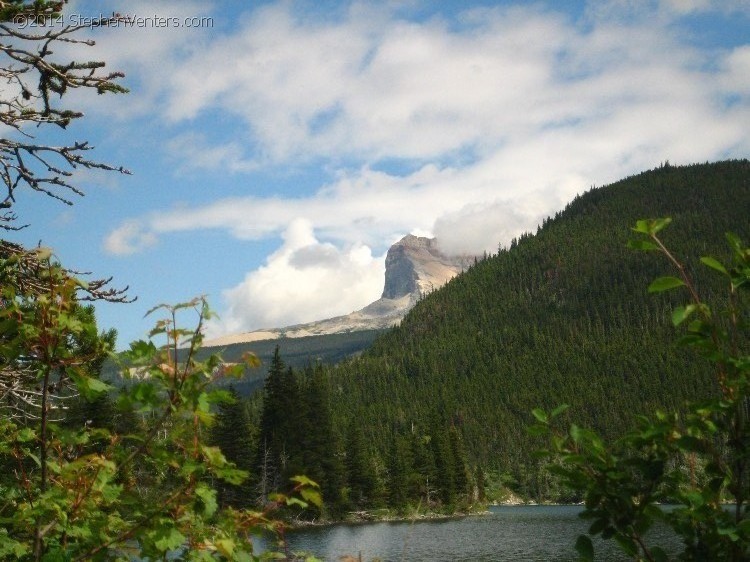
point(277, 149)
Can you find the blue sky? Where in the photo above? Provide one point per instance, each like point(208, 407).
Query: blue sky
point(279, 148)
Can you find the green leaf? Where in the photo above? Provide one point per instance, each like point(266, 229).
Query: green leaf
point(714, 264)
point(207, 498)
point(734, 242)
point(34, 457)
point(231, 475)
point(651, 226)
point(312, 496)
point(681, 313)
point(296, 501)
point(89, 387)
point(167, 538)
point(559, 410)
point(9, 546)
point(627, 544)
point(226, 547)
point(585, 548)
point(25, 435)
point(305, 481)
point(576, 433)
point(659, 224)
point(664, 284)
point(57, 555)
point(537, 429)
point(642, 226)
point(214, 456)
point(598, 526)
point(540, 415)
point(642, 245)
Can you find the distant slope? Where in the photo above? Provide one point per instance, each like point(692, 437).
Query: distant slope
point(561, 317)
point(297, 353)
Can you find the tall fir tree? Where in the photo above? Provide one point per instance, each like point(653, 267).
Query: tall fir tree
point(360, 470)
point(270, 450)
point(321, 446)
point(232, 432)
point(400, 462)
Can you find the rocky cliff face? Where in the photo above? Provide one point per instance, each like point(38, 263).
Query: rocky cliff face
point(414, 266)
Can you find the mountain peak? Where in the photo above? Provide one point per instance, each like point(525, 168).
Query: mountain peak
point(414, 266)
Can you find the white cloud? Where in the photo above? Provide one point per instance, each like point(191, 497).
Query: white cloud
point(366, 206)
point(192, 151)
point(145, 53)
point(402, 90)
point(737, 77)
point(129, 238)
point(690, 6)
point(304, 280)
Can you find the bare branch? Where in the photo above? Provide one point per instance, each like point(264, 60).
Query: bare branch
point(37, 81)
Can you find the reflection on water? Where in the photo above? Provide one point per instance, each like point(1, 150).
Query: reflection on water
point(543, 533)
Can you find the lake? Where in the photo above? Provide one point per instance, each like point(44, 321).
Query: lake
point(512, 533)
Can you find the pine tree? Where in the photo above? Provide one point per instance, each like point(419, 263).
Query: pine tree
point(321, 447)
point(481, 493)
point(232, 433)
point(460, 468)
point(445, 465)
point(361, 478)
point(270, 452)
point(399, 471)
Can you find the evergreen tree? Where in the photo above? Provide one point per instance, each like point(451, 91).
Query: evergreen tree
point(270, 449)
point(360, 470)
point(479, 478)
point(399, 472)
point(232, 433)
point(445, 466)
point(423, 474)
point(291, 434)
point(461, 478)
point(321, 447)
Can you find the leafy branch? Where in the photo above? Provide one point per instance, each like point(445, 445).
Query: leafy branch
point(698, 460)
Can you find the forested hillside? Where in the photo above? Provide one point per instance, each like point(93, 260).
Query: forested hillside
point(562, 316)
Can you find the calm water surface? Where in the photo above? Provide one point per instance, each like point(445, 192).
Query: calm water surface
point(513, 533)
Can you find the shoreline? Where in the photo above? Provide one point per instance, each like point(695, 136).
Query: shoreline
point(365, 517)
point(362, 518)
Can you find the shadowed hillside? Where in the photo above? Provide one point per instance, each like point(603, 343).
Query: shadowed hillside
point(562, 316)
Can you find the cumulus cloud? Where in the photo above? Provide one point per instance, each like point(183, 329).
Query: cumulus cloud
point(304, 280)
